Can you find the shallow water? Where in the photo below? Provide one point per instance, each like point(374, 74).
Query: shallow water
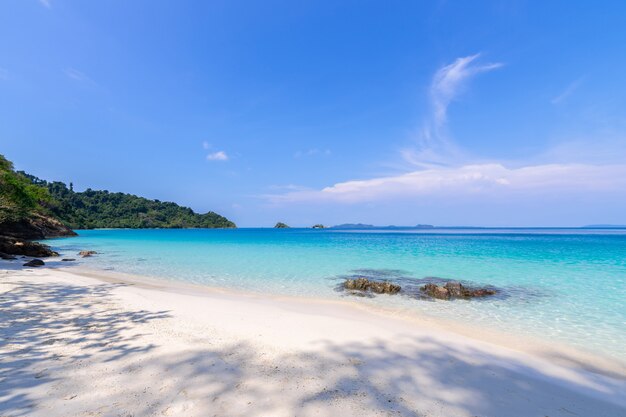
point(566, 285)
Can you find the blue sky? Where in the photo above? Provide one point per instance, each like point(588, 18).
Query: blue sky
point(449, 113)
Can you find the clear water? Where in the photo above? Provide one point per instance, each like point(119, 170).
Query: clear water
point(563, 285)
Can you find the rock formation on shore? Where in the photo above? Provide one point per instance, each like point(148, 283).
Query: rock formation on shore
point(14, 246)
point(453, 289)
point(366, 285)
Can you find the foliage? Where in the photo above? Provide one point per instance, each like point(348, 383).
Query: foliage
point(103, 209)
point(23, 195)
point(19, 198)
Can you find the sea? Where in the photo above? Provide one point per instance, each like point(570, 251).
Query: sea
point(566, 286)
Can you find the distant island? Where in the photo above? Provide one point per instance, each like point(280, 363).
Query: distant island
point(32, 208)
point(605, 226)
point(281, 225)
point(370, 226)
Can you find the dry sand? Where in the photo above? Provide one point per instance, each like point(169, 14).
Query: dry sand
point(77, 344)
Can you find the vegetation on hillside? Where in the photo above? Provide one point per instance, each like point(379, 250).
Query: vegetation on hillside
point(23, 196)
point(281, 225)
point(19, 198)
point(103, 209)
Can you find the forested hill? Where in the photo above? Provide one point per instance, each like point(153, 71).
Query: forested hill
point(103, 209)
point(25, 210)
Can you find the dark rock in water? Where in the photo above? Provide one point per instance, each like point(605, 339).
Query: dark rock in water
point(15, 246)
point(68, 259)
point(436, 291)
point(378, 287)
point(87, 253)
point(35, 262)
point(483, 292)
point(7, 257)
point(455, 290)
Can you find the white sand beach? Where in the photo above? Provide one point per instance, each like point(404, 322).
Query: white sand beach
point(80, 344)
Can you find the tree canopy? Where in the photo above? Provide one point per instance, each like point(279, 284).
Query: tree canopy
point(22, 195)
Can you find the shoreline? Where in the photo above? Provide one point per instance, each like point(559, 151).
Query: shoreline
point(150, 346)
point(553, 351)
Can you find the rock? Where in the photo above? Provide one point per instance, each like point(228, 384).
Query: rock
point(36, 226)
point(7, 257)
point(482, 292)
point(435, 291)
point(67, 259)
point(378, 287)
point(14, 246)
point(455, 290)
point(281, 225)
point(35, 262)
point(87, 253)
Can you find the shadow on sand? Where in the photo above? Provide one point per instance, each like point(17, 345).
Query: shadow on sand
point(409, 377)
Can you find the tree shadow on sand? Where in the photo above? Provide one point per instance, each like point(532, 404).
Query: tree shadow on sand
point(409, 376)
point(36, 318)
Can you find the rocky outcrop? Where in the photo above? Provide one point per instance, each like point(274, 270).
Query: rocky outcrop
point(35, 263)
point(366, 285)
point(68, 260)
point(281, 225)
point(453, 289)
point(35, 227)
point(87, 253)
point(14, 246)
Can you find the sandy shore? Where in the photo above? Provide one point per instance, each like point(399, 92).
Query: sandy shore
point(77, 344)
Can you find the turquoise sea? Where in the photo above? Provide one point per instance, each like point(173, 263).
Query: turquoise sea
point(563, 285)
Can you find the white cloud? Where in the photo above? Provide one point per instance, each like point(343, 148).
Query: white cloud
point(76, 75)
point(217, 156)
point(448, 81)
point(45, 3)
point(206, 145)
point(434, 147)
point(491, 180)
point(567, 92)
point(311, 152)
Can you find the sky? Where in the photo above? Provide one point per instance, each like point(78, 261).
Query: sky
point(493, 113)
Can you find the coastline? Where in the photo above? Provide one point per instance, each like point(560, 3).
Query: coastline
point(350, 306)
point(187, 349)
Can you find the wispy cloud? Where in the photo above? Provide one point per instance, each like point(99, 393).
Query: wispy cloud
point(214, 156)
point(78, 76)
point(217, 156)
point(573, 86)
point(434, 145)
point(45, 3)
point(492, 180)
point(448, 82)
point(439, 174)
point(311, 152)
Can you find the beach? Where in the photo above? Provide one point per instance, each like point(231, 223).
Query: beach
point(80, 343)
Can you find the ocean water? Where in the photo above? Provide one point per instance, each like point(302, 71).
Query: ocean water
point(563, 285)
